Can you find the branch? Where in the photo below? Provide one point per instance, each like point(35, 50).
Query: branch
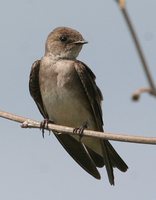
point(136, 94)
point(29, 123)
point(123, 9)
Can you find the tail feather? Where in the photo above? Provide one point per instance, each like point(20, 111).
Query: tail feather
point(79, 153)
point(116, 160)
point(112, 159)
point(107, 161)
point(98, 159)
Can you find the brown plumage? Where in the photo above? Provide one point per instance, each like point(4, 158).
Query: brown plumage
point(65, 91)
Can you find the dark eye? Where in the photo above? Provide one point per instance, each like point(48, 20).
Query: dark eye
point(63, 38)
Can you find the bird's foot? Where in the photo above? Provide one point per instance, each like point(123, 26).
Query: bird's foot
point(44, 125)
point(80, 130)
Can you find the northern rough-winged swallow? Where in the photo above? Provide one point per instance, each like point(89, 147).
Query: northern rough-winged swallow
point(65, 92)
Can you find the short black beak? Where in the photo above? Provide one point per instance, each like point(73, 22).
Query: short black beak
point(80, 42)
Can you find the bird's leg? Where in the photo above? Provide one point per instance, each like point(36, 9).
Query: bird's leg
point(44, 125)
point(80, 130)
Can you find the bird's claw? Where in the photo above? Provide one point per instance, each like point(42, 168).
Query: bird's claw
point(80, 130)
point(44, 125)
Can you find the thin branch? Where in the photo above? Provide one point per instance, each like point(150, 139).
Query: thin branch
point(136, 94)
point(122, 3)
point(29, 123)
point(123, 9)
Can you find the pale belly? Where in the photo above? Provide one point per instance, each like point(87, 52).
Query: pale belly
point(64, 109)
point(67, 109)
point(66, 104)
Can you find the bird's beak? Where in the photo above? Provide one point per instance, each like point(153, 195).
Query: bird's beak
point(80, 42)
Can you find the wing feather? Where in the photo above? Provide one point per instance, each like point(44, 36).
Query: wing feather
point(77, 150)
point(110, 156)
point(34, 87)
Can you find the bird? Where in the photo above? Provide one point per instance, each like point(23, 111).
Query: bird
point(65, 92)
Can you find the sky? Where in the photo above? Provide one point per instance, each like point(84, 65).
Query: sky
point(35, 168)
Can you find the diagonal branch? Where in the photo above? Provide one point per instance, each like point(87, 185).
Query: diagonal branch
point(138, 46)
point(29, 123)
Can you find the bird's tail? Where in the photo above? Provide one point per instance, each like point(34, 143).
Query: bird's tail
point(112, 159)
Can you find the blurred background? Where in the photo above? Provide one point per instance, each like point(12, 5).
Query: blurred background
point(35, 168)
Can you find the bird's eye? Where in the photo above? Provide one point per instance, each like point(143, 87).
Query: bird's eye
point(63, 38)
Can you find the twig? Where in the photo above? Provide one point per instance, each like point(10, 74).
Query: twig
point(136, 94)
point(29, 123)
point(137, 45)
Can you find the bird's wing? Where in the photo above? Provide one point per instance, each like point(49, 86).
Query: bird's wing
point(110, 156)
point(34, 87)
point(76, 149)
point(92, 91)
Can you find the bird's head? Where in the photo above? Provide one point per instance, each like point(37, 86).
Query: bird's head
point(64, 43)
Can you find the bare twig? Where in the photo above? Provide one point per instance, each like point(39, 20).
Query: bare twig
point(29, 123)
point(136, 95)
point(122, 5)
